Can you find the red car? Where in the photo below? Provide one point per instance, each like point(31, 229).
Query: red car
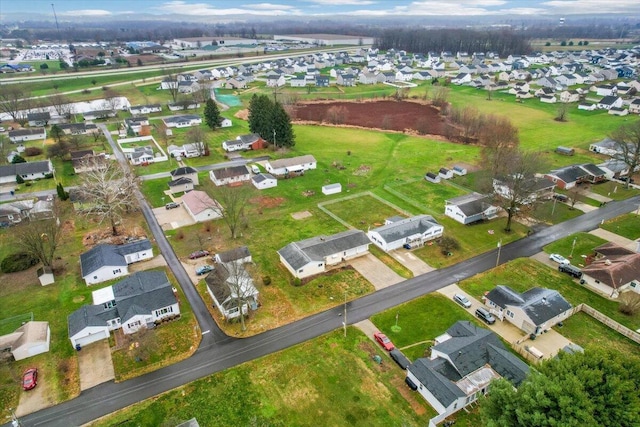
point(30, 378)
point(384, 341)
point(198, 254)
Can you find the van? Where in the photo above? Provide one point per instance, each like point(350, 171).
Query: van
point(255, 169)
point(571, 270)
point(485, 316)
point(399, 358)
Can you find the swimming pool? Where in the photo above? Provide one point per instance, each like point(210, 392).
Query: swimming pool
point(230, 100)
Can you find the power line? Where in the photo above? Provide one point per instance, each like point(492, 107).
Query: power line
point(56, 18)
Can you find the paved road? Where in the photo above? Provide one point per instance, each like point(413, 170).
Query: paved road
point(217, 353)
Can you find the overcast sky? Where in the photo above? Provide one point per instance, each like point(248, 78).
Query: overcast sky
point(67, 9)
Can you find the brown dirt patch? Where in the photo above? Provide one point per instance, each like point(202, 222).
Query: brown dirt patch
point(408, 395)
point(267, 202)
point(402, 116)
point(242, 115)
point(301, 215)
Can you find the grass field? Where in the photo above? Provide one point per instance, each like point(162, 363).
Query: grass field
point(329, 380)
point(625, 225)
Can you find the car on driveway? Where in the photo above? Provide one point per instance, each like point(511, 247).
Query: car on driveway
point(559, 259)
point(384, 341)
point(198, 254)
point(30, 378)
point(203, 269)
point(462, 300)
point(171, 205)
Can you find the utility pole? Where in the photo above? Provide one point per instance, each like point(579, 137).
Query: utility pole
point(345, 314)
point(56, 18)
point(274, 139)
point(499, 248)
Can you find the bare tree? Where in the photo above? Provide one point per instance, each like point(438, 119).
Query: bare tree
point(500, 142)
point(440, 97)
point(575, 195)
point(230, 204)
point(196, 136)
point(40, 238)
point(171, 82)
point(562, 115)
point(62, 105)
point(108, 190)
point(203, 92)
point(13, 101)
point(241, 287)
point(112, 100)
point(516, 189)
point(627, 139)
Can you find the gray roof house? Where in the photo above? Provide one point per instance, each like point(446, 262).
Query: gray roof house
point(135, 302)
point(534, 311)
point(470, 208)
point(463, 363)
point(231, 286)
point(312, 256)
point(28, 171)
point(185, 172)
point(105, 262)
point(397, 232)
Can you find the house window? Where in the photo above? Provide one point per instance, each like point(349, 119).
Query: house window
point(164, 311)
point(109, 304)
point(134, 324)
point(510, 314)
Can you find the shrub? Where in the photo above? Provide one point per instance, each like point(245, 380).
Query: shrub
point(17, 262)
point(19, 179)
point(297, 281)
point(266, 280)
point(629, 303)
point(28, 184)
point(32, 151)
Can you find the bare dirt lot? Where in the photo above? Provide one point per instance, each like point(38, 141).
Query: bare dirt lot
point(389, 115)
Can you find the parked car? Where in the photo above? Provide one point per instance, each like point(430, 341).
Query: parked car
point(561, 197)
point(627, 178)
point(255, 169)
point(384, 341)
point(485, 316)
point(30, 378)
point(559, 259)
point(462, 300)
point(406, 246)
point(571, 270)
point(198, 254)
point(171, 205)
point(204, 269)
point(399, 358)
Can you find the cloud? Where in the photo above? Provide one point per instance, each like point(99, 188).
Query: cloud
point(342, 2)
point(180, 7)
point(86, 12)
point(592, 6)
point(269, 6)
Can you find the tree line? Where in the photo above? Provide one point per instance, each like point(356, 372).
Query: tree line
point(453, 40)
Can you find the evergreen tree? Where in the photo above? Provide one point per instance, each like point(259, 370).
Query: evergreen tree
point(283, 135)
point(260, 111)
point(56, 133)
point(212, 114)
point(62, 194)
point(18, 159)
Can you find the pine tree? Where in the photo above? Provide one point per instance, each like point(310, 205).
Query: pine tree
point(212, 114)
point(283, 131)
point(260, 111)
point(62, 194)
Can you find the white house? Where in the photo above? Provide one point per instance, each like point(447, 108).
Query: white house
point(28, 171)
point(201, 207)
point(264, 180)
point(609, 102)
point(141, 300)
point(414, 231)
point(534, 311)
point(291, 165)
point(186, 172)
point(30, 339)
point(462, 364)
point(183, 121)
point(312, 256)
point(145, 109)
point(189, 150)
point(470, 208)
point(105, 262)
point(23, 135)
point(231, 175)
point(180, 185)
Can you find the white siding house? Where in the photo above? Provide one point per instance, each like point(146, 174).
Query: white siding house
point(414, 231)
point(291, 165)
point(263, 181)
point(105, 262)
point(201, 207)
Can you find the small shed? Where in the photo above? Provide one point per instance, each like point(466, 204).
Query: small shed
point(566, 151)
point(459, 170)
point(445, 173)
point(432, 177)
point(45, 275)
point(332, 189)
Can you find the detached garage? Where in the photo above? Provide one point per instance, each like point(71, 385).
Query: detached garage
point(87, 325)
point(28, 340)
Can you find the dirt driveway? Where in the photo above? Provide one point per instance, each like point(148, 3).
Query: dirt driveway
point(95, 364)
point(39, 398)
point(170, 219)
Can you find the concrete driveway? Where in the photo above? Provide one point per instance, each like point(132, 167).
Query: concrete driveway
point(412, 262)
point(170, 219)
point(375, 271)
point(96, 366)
point(156, 261)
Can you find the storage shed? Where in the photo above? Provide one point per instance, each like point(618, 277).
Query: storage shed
point(331, 189)
point(432, 177)
point(567, 151)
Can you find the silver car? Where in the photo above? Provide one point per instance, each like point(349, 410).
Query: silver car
point(462, 300)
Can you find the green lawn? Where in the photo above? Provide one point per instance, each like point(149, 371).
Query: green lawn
point(362, 212)
point(626, 225)
point(330, 380)
point(585, 243)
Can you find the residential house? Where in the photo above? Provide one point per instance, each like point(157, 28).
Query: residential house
point(145, 109)
point(189, 150)
point(141, 300)
point(99, 114)
point(183, 121)
point(587, 106)
point(461, 79)
point(24, 135)
point(240, 254)
point(28, 171)
point(548, 99)
point(185, 172)
point(293, 165)
point(634, 106)
point(298, 81)
point(136, 123)
point(232, 289)
point(534, 311)
point(188, 86)
point(230, 175)
point(609, 102)
point(614, 266)
point(276, 80)
point(105, 262)
point(567, 96)
point(313, 256)
point(251, 141)
point(606, 90)
point(79, 128)
point(462, 364)
point(141, 155)
point(321, 81)
point(264, 180)
point(14, 212)
point(618, 111)
point(470, 208)
point(30, 339)
point(346, 79)
point(86, 160)
point(236, 83)
point(569, 176)
point(397, 232)
point(201, 207)
point(614, 168)
point(183, 105)
point(607, 146)
point(39, 118)
point(180, 185)
point(531, 188)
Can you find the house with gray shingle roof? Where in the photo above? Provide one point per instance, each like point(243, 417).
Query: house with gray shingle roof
point(569, 176)
point(135, 302)
point(462, 364)
point(28, 171)
point(291, 165)
point(185, 172)
point(414, 231)
point(312, 256)
point(231, 286)
point(470, 208)
point(534, 311)
point(105, 262)
point(231, 175)
point(22, 135)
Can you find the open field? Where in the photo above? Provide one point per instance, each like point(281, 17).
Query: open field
point(330, 378)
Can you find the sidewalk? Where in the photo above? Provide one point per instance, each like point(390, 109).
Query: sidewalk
point(616, 238)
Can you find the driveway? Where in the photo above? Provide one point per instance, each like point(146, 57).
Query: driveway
point(40, 397)
point(96, 366)
point(190, 266)
point(156, 261)
point(616, 238)
point(375, 271)
point(412, 262)
point(170, 219)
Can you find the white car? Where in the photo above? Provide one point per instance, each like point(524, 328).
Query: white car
point(462, 300)
point(559, 259)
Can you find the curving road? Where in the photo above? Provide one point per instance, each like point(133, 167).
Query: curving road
point(218, 352)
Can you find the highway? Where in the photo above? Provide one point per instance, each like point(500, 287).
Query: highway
point(218, 352)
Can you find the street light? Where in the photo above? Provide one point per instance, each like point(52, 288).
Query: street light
point(345, 314)
point(499, 248)
point(274, 139)
point(573, 245)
